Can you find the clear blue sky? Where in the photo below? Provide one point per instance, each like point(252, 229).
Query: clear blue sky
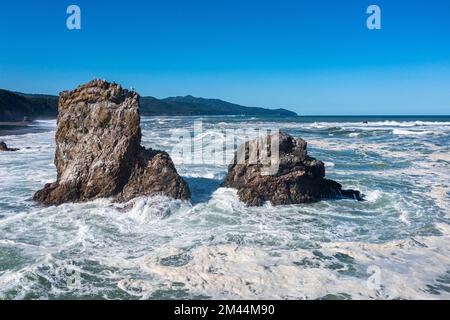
point(313, 57)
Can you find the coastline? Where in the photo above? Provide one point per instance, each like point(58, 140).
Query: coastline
point(18, 128)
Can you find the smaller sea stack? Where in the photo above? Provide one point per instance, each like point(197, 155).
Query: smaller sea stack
point(300, 178)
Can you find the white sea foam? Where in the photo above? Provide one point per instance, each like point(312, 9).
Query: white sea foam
point(411, 132)
point(218, 271)
point(329, 164)
point(373, 196)
point(45, 123)
point(218, 247)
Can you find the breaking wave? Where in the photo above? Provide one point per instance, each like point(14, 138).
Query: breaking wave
point(395, 244)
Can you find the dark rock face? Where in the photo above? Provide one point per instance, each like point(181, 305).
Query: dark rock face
point(300, 178)
point(4, 147)
point(98, 151)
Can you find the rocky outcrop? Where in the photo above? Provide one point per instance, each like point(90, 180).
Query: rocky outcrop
point(4, 147)
point(299, 179)
point(98, 151)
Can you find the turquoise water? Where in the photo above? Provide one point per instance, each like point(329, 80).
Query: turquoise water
point(396, 244)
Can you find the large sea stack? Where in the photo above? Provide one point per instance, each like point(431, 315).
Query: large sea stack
point(99, 152)
point(299, 179)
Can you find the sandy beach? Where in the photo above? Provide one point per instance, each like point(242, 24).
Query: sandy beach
point(18, 128)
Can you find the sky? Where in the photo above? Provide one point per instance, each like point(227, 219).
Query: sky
point(313, 57)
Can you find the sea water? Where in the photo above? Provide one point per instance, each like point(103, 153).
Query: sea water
point(393, 245)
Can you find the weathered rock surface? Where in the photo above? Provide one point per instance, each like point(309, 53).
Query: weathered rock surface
point(4, 147)
point(98, 151)
point(300, 178)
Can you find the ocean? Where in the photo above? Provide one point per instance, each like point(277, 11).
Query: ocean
point(393, 245)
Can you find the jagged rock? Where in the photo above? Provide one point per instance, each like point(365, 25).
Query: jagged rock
point(4, 147)
point(98, 151)
point(299, 179)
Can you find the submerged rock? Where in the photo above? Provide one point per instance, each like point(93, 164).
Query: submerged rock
point(98, 151)
point(4, 147)
point(299, 179)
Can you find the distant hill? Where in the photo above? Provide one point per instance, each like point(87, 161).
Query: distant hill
point(14, 106)
point(189, 106)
